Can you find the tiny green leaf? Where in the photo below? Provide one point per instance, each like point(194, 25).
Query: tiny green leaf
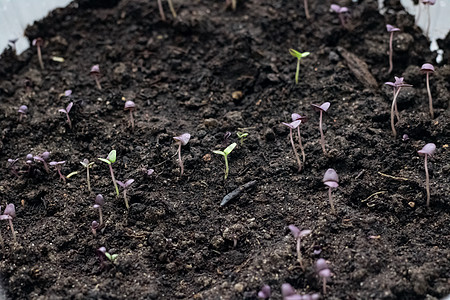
point(229, 148)
point(114, 256)
point(112, 156)
point(71, 174)
point(241, 135)
point(105, 160)
point(304, 54)
point(295, 53)
point(108, 256)
point(219, 152)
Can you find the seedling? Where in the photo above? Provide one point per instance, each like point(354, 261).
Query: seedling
point(299, 57)
point(324, 272)
point(43, 158)
point(428, 69)
point(66, 111)
point(9, 214)
point(67, 94)
point(110, 160)
point(87, 165)
point(296, 117)
point(58, 165)
point(225, 154)
point(292, 126)
point(130, 106)
point(241, 136)
point(298, 235)
point(149, 172)
point(226, 139)
point(94, 227)
point(398, 84)
point(181, 140)
point(342, 12)
point(23, 110)
point(12, 163)
point(331, 179)
point(95, 72)
point(101, 252)
point(321, 109)
point(125, 187)
point(391, 29)
point(265, 292)
point(428, 149)
point(38, 42)
point(288, 292)
point(99, 202)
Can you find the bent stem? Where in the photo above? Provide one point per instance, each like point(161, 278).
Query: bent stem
point(68, 121)
point(300, 144)
point(330, 198)
point(61, 175)
point(305, 2)
point(427, 181)
point(394, 102)
point(125, 198)
point(297, 71)
point(114, 179)
point(295, 151)
point(97, 82)
point(174, 14)
point(161, 11)
point(226, 166)
point(181, 162)
point(100, 215)
point(391, 65)
point(299, 254)
point(322, 137)
point(430, 100)
point(12, 231)
point(40, 57)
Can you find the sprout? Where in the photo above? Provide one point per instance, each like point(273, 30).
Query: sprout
point(391, 29)
point(342, 12)
point(296, 117)
point(66, 111)
point(398, 84)
point(265, 292)
point(299, 56)
point(181, 140)
point(95, 72)
point(12, 163)
point(225, 154)
point(298, 235)
point(292, 126)
point(43, 158)
point(428, 69)
point(23, 110)
point(125, 188)
point(428, 149)
point(149, 172)
point(324, 272)
point(58, 165)
point(9, 214)
point(87, 165)
point(99, 202)
point(331, 179)
point(288, 292)
point(110, 160)
point(38, 42)
point(321, 108)
point(130, 106)
point(241, 136)
point(94, 227)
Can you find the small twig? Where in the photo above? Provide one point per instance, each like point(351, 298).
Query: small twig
point(374, 194)
point(393, 177)
point(237, 192)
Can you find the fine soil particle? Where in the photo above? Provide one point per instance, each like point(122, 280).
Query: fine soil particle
point(209, 71)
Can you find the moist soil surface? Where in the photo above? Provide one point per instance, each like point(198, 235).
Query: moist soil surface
point(207, 72)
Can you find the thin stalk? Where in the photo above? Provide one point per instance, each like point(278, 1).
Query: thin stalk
point(88, 179)
point(330, 198)
point(97, 82)
point(299, 253)
point(397, 115)
point(68, 121)
point(300, 144)
point(394, 132)
point(2, 242)
point(297, 71)
point(391, 65)
point(12, 230)
point(233, 4)
point(305, 2)
point(322, 137)
point(61, 175)
point(114, 180)
point(427, 181)
point(180, 161)
point(174, 14)
point(226, 166)
point(125, 198)
point(161, 10)
point(324, 285)
point(40, 57)
point(295, 151)
point(100, 215)
point(131, 119)
point(45, 166)
point(430, 100)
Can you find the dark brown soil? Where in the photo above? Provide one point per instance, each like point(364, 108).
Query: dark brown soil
point(176, 241)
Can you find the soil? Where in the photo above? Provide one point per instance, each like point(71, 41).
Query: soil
point(209, 71)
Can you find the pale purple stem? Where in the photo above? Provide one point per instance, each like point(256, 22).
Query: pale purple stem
point(114, 180)
point(299, 253)
point(40, 57)
point(180, 161)
point(68, 121)
point(394, 132)
point(12, 230)
point(330, 198)
point(88, 179)
point(125, 198)
point(61, 175)
point(300, 144)
point(161, 10)
point(322, 137)
point(427, 181)
point(295, 151)
point(391, 65)
point(97, 82)
point(324, 279)
point(100, 215)
point(430, 100)
point(131, 119)
point(305, 2)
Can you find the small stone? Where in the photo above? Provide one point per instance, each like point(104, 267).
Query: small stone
point(236, 95)
point(210, 122)
point(239, 287)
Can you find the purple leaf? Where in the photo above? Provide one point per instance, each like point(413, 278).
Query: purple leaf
point(293, 125)
point(391, 28)
point(183, 139)
point(265, 292)
point(129, 105)
point(294, 230)
point(10, 210)
point(331, 178)
point(99, 200)
point(427, 68)
point(69, 107)
point(429, 149)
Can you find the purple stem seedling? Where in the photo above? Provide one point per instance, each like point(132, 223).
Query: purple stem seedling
point(324, 272)
point(181, 140)
point(225, 154)
point(331, 179)
point(87, 165)
point(427, 150)
point(296, 117)
point(265, 292)
point(321, 109)
point(94, 227)
point(428, 69)
point(292, 126)
point(23, 110)
point(58, 165)
point(391, 29)
point(288, 292)
point(125, 187)
point(99, 202)
point(95, 72)
point(9, 214)
point(66, 111)
point(110, 160)
point(299, 57)
point(342, 12)
point(298, 235)
point(43, 158)
point(398, 84)
point(38, 42)
point(130, 106)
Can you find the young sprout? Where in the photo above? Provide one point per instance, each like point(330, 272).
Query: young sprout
point(292, 126)
point(342, 12)
point(23, 110)
point(296, 117)
point(99, 202)
point(265, 292)
point(398, 84)
point(129, 105)
point(241, 136)
point(321, 108)
point(58, 165)
point(331, 179)
point(125, 187)
point(428, 69)
point(305, 4)
point(94, 227)
point(9, 214)
point(299, 56)
point(95, 72)
point(288, 292)
point(149, 172)
point(324, 271)
point(110, 160)
point(101, 252)
point(38, 42)
point(43, 158)
point(87, 165)
point(391, 29)
point(11, 163)
point(298, 235)
point(181, 140)
point(225, 154)
point(428, 149)
point(66, 111)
